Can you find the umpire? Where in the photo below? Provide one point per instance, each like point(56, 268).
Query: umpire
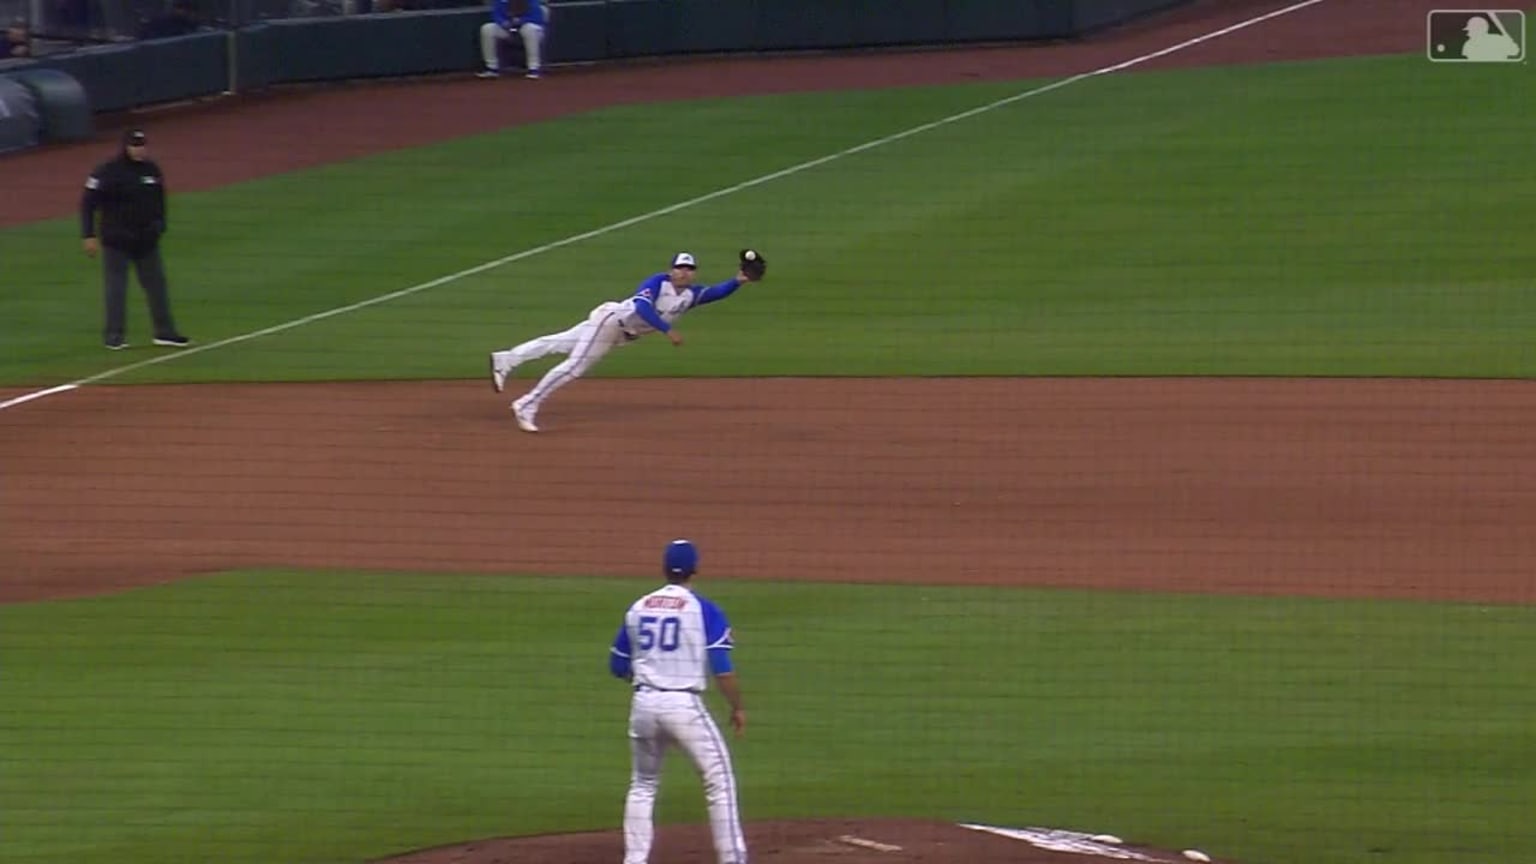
point(129, 193)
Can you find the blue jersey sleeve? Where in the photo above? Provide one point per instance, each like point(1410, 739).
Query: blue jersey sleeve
point(715, 292)
point(501, 12)
point(645, 302)
point(619, 654)
point(717, 638)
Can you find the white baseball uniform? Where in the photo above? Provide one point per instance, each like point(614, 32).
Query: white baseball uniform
point(656, 302)
point(671, 641)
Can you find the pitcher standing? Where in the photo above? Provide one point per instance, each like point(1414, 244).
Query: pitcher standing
point(672, 642)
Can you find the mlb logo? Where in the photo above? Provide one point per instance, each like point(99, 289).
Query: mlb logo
point(1476, 36)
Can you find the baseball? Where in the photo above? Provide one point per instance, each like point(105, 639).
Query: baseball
point(1196, 855)
point(1103, 838)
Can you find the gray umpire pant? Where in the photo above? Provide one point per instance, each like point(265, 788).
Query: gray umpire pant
point(151, 273)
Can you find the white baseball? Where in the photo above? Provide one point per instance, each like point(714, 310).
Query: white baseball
point(1101, 838)
point(1196, 855)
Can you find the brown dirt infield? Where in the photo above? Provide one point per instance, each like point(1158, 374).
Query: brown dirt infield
point(1413, 489)
point(1410, 489)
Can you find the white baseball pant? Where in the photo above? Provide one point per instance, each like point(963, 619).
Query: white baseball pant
point(657, 721)
point(533, 44)
point(584, 345)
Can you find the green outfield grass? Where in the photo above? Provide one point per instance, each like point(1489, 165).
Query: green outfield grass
point(1350, 217)
point(304, 717)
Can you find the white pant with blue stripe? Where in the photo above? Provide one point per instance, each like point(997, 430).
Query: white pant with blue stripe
point(584, 344)
point(657, 722)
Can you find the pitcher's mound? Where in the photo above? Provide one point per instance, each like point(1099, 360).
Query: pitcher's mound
point(841, 841)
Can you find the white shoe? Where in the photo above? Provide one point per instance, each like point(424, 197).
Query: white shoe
point(498, 374)
point(524, 419)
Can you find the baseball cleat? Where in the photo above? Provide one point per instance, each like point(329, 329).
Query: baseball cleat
point(498, 375)
point(524, 420)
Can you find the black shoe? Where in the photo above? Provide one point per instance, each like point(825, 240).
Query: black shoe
point(175, 340)
point(117, 344)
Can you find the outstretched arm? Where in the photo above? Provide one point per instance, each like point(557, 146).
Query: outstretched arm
point(711, 293)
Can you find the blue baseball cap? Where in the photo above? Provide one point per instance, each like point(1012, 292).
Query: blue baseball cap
point(683, 259)
point(682, 559)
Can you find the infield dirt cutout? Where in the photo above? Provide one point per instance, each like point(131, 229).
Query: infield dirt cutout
point(886, 841)
point(1416, 489)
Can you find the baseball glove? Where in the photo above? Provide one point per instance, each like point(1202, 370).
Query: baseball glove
point(754, 264)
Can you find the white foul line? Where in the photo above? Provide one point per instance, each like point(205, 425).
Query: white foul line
point(37, 394)
point(665, 211)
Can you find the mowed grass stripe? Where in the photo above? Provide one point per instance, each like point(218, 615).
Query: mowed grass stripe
point(317, 717)
point(719, 193)
point(1270, 220)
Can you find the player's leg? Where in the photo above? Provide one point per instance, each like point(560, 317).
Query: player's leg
point(592, 344)
point(504, 362)
point(647, 747)
point(533, 47)
point(563, 342)
point(490, 34)
point(151, 270)
point(114, 268)
point(697, 734)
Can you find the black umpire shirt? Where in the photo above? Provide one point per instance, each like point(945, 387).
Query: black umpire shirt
point(131, 197)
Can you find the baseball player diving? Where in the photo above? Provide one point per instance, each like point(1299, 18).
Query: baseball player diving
point(671, 642)
point(654, 308)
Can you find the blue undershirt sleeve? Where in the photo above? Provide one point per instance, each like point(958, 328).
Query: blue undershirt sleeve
point(715, 292)
point(720, 661)
point(618, 655)
point(645, 302)
point(647, 310)
point(717, 638)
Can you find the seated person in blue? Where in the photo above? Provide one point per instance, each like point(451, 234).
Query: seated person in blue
point(527, 20)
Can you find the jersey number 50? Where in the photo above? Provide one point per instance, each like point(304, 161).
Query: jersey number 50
point(663, 633)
